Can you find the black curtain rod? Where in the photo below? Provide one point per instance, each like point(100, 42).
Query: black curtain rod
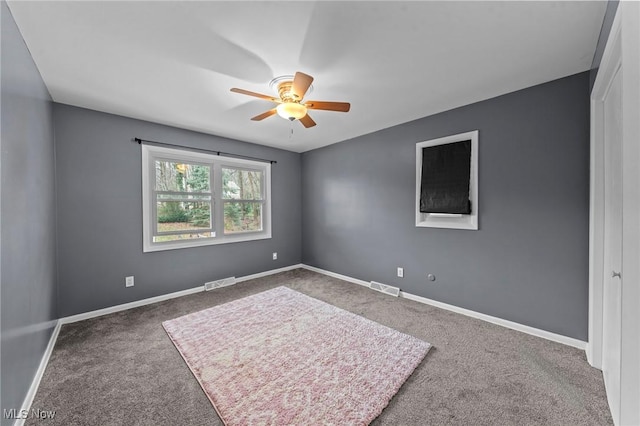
point(221, 153)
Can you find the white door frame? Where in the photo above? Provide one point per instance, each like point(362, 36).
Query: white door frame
point(622, 49)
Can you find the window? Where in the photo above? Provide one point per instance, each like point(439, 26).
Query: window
point(243, 199)
point(447, 182)
point(193, 199)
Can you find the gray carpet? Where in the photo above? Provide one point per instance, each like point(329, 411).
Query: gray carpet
point(122, 369)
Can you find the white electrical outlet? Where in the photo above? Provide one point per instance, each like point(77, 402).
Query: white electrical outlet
point(275, 255)
point(400, 272)
point(128, 282)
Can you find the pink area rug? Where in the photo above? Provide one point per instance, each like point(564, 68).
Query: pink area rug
point(283, 358)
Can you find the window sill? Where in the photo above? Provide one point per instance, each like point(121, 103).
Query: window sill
point(451, 221)
point(174, 245)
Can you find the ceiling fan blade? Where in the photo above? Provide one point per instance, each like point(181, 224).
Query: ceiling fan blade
point(264, 115)
point(307, 121)
point(257, 95)
point(301, 83)
point(328, 106)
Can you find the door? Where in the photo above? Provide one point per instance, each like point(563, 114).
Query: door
point(612, 319)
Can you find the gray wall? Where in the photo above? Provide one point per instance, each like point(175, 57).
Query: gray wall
point(100, 214)
point(527, 263)
point(27, 229)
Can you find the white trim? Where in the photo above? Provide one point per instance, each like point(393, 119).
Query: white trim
point(569, 341)
point(28, 400)
point(630, 303)
point(143, 302)
point(622, 49)
point(267, 273)
point(609, 65)
point(447, 220)
point(35, 384)
point(118, 308)
point(335, 275)
point(216, 163)
point(596, 239)
point(558, 338)
point(125, 306)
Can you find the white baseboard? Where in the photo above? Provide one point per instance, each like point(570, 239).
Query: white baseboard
point(569, 341)
point(267, 273)
point(163, 297)
point(100, 312)
point(123, 307)
point(31, 393)
point(26, 405)
point(338, 276)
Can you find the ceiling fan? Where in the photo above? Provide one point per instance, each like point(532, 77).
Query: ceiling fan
point(290, 91)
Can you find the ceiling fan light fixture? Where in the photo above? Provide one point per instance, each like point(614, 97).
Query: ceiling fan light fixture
point(291, 110)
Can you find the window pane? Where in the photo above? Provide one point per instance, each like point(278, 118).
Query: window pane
point(240, 184)
point(179, 216)
point(182, 177)
point(242, 217)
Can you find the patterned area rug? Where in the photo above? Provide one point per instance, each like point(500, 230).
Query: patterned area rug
point(283, 358)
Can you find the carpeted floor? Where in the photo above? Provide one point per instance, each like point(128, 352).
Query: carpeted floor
point(122, 369)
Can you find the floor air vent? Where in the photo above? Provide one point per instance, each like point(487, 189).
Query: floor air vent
point(384, 288)
point(225, 282)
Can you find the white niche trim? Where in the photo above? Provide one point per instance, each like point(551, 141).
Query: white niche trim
point(444, 220)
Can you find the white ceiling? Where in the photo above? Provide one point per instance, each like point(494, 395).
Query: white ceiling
point(174, 62)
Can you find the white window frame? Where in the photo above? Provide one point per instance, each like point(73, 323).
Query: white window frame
point(149, 155)
point(443, 220)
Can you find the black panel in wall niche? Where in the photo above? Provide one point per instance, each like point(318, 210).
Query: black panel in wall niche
point(445, 176)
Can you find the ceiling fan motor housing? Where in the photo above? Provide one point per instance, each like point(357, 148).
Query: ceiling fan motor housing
point(284, 90)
